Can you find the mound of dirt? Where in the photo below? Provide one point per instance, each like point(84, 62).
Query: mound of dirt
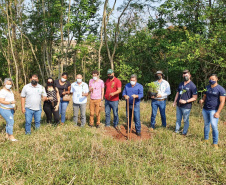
point(121, 133)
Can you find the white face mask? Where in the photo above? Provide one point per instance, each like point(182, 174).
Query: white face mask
point(8, 86)
point(79, 80)
point(63, 79)
point(132, 82)
point(95, 78)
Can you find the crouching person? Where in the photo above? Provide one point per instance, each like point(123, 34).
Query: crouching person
point(134, 90)
point(31, 99)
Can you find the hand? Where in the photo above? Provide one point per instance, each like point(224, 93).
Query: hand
point(174, 104)
point(100, 104)
point(216, 115)
point(63, 93)
point(159, 95)
point(152, 97)
point(111, 94)
point(201, 101)
point(56, 108)
point(13, 102)
point(50, 98)
point(135, 96)
point(23, 110)
point(126, 97)
point(182, 102)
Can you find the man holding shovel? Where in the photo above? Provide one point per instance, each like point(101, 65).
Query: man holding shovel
point(134, 91)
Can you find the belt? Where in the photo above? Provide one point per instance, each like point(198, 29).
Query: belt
point(160, 99)
point(6, 108)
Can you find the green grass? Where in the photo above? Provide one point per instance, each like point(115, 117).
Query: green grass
point(68, 154)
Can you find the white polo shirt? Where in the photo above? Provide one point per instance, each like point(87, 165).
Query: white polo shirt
point(77, 91)
point(33, 95)
point(8, 96)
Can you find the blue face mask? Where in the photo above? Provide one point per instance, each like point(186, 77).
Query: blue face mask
point(212, 82)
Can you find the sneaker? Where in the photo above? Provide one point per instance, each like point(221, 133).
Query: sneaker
point(138, 133)
point(98, 126)
point(205, 141)
point(91, 126)
point(215, 146)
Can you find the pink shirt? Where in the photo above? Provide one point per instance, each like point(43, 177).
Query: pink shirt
point(97, 88)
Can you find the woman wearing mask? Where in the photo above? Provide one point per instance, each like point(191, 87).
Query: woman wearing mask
point(64, 88)
point(213, 99)
point(51, 105)
point(7, 105)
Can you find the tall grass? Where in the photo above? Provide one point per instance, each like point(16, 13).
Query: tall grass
point(73, 155)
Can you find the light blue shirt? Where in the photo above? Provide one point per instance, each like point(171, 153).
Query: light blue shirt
point(164, 89)
point(77, 91)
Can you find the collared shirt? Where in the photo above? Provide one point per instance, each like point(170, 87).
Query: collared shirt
point(97, 86)
point(137, 90)
point(163, 90)
point(212, 100)
point(33, 95)
point(185, 93)
point(8, 96)
point(77, 91)
point(112, 86)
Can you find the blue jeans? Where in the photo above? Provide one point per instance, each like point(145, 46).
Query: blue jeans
point(114, 106)
point(162, 107)
point(28, 117)
point(208, 116)
point(185, 113)
point(136, 116)
point(62, 109)
point(8, 116)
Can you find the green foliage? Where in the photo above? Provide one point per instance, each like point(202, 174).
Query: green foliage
point(153, 87)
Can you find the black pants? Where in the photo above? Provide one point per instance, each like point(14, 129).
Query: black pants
point(49, 111)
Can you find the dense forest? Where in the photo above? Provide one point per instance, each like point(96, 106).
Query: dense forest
point(49, 37)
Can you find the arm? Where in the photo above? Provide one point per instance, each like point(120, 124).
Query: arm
point(44, 95)
point(102, 93)
point(124, 93)
point(140, 93)
point(175, 99)
point(194, 97)
point(167, 91)
point(86, 91)
point(58, 99)
point(23, 104)
point(2, 101)
point(221, 106)
point(203, 99)
point(68, 90)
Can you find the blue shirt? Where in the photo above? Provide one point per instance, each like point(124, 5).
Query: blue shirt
point(77, 91)
point(212, 100)
point(137, 90)
point(185, 93)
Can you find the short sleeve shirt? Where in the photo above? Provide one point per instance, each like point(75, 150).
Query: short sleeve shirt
point(33, 95)
point(185, 93)
point(112, 86)
point(212, 100)
point(61, 88)
point(77, 91)
point(97, 88)
point(8, 96)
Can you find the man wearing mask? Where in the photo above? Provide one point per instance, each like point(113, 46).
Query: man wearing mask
point(186, 94)
point(96, 87)
point(80, 91)
point(113, 89)
point(160, 100)
point(134, 90)
point(31, 99)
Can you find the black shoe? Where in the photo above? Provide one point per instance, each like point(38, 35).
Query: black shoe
point(138, 133)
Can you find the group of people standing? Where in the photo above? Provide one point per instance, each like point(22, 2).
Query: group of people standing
point(56, 97)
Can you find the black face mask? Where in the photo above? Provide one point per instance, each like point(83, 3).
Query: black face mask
point(110, 77)
point(186, 78)
point(34, 82)
point(158, 77)
point(49, 83)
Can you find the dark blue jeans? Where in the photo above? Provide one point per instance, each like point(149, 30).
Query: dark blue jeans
point(108, 106)
point(136, 116)
point(162, 108)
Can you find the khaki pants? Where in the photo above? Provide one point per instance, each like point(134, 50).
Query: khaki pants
point(94, 106)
